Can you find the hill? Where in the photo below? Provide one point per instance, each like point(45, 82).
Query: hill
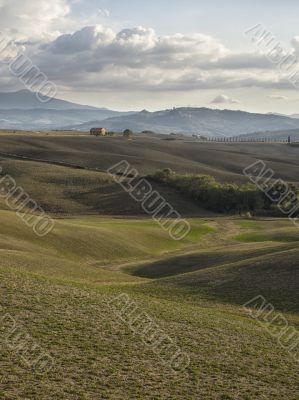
point(205, 121)
point(64, 191)
point(224, 161)
point(263, 263)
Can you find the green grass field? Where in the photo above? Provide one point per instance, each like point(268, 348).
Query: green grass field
point(58, 288)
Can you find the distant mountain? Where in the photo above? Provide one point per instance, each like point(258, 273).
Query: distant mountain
point(279, 114)
point(26, 100)
point(42, 119)
point(203, 121)
point(23, 110)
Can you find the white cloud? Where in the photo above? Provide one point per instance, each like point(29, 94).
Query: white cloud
point(102, 12)
point(29, 19)
point(88, 38)
point(277, 97)
point(135, 39)
point(295, 43)
point(222, 98)
point(136, 58)
point(98, 58)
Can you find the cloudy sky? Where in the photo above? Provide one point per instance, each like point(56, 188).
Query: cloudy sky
point(133, 54)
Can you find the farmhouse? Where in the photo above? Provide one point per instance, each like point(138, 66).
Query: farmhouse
point(201, 137)
point(98, 131)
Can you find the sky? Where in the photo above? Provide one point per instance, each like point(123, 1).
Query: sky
point(134, 55)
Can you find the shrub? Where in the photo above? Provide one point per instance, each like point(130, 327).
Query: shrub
point(212, 195)
point(128, 133)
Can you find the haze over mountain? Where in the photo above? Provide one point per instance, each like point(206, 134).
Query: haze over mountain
point(204, 121)
point(26, 100)
point(23, 110)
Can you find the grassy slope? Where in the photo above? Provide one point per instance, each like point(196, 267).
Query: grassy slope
point(236, 241)
point(274, 276)
point(202, 259)
point(97, 357)
point(264, 263)
point(58, 289)
point(76, 248)
point(68, 191)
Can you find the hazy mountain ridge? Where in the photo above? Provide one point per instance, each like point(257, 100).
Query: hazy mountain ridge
point(39, 119)
point(23, 110)
point(204, 121)
point(26, 100)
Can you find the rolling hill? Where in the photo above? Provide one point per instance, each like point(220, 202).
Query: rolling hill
point(58, 291)
point(64, 191)
point(224, 161)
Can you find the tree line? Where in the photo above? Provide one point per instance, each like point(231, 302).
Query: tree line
point(222, 197)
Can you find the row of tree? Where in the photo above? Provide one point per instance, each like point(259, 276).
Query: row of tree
point(222, 197)
point(126, 133)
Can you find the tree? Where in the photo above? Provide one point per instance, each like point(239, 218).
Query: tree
point(127, 133)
